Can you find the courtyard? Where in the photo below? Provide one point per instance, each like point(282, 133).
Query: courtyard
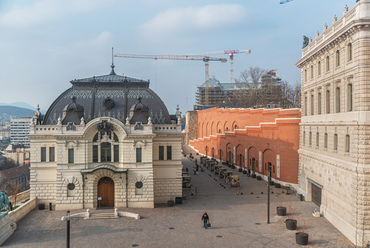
point(238, 218)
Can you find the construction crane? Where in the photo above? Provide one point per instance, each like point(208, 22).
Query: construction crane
point(203, 58)
point(285, 1)
point(231, 59)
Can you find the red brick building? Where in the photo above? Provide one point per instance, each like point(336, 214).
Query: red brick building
point(252, 139)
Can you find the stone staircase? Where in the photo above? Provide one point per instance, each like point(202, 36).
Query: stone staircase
point(94, 216)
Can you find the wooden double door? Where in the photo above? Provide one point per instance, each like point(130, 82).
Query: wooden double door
point(106, 192)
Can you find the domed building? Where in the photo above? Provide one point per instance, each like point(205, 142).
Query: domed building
point(106, 141)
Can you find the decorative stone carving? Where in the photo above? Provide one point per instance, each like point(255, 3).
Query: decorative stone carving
point(127, 121)
point(325, 26)
point(71, 126)
point(139, 126)
point(82, 122)
point(105, 127)
point(139, 144)
point(108, 103)
point(150, 121)
point(305, 41)
point(317, 33)
point(345, 9)
point(335, 18)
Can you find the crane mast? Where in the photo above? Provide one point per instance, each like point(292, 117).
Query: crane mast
point(203, 58)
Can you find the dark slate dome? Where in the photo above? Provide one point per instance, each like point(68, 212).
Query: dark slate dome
point(107, 96)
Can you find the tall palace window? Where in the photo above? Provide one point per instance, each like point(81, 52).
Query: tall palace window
point(105, 147)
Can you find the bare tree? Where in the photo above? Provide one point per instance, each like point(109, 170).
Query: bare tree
point(248, 93)
point(259, 87)
point(297, 96)
point(7, 164)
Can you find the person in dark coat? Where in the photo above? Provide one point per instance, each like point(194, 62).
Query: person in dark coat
point(205, 219)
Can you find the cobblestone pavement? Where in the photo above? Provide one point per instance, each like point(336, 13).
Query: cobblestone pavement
point(238, 220)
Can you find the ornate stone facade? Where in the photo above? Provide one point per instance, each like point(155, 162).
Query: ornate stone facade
point(334, 144)
point(106, 149)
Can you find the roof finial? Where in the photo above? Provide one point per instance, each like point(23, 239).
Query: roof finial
point(112, 66)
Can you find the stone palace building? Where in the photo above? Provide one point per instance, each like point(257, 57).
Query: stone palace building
point(106, 141)
point(334, 167)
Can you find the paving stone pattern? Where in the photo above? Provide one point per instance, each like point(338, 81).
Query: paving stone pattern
point(237, 221)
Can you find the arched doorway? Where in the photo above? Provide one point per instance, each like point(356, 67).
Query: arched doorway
point(106, 192)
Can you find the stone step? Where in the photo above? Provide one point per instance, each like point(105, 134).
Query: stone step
point(102, 216)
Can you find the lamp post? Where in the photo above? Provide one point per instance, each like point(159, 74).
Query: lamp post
point(68, 228)
point(268, 194)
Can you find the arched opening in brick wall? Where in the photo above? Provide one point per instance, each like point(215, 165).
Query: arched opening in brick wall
point(226, 127)
point(240, 155)
point(207, 129)
point(219, 128)
point(212, 129)
point(253, 159)
point(229, 151)
point(213, 152)
point(234, 126)
point(269, 158)
point(201, 131)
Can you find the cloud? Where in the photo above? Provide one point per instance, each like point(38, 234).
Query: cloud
point(44, 11)
point(179, 20)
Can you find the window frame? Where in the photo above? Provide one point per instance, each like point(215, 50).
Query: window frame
point(169, 152)
point(52, 154)
point(161, 153)
point(43, 154)
point(71, 156)
point(139, 155)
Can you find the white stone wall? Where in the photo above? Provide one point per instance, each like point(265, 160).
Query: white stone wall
point(49, 180)
point(344, 175)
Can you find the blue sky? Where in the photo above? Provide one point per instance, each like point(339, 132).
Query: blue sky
point(46, 43)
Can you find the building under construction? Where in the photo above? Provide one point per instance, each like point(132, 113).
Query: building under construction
point(236, 94)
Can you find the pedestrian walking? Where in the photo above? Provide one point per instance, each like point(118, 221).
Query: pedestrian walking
point(195, 170)
point(205, 219)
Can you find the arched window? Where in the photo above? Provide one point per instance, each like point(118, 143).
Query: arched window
point(335, 142)
point(105, 147)
point(311, 71)
point(349, 51)
point(319, 68)
point(349, 97)
point(327, 63)
point(337, 100)
point(337, 56)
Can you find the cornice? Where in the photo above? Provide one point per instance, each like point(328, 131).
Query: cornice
point(341, 35)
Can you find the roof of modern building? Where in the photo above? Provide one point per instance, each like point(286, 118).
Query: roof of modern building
point(14, 172)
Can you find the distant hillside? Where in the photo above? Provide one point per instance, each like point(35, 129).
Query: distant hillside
point(6, 112)
point(22, 105)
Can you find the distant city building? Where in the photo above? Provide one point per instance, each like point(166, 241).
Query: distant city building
point(4, 130)
point(18, 154)
point(108, 141)
point(334, 146)
point(234, 94)
point(19, 128)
